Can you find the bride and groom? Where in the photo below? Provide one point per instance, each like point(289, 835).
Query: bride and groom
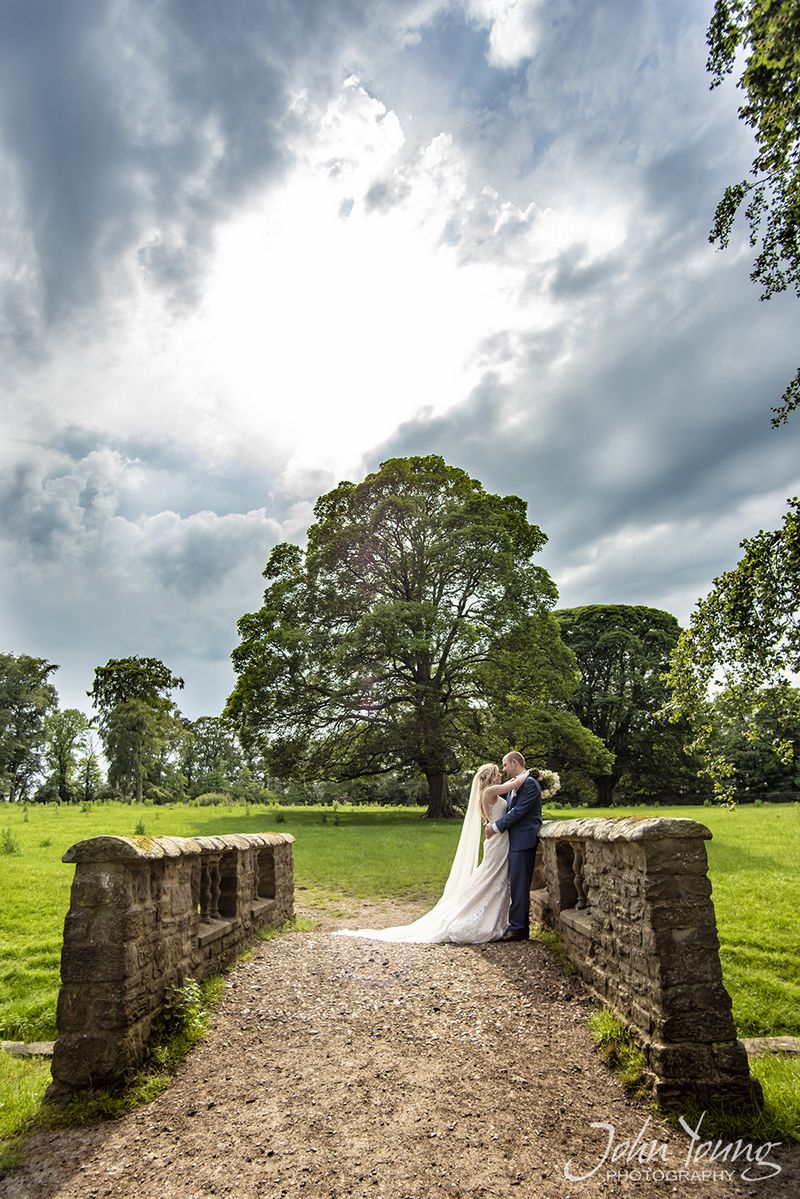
point(490, 901)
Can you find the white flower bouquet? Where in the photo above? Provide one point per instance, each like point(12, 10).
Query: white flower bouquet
point(549, 781)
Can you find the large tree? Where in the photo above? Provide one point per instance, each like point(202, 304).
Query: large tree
point(388, 641)
point(761, 769)
point(743, 647)
point(65, 735)
point(137, 719)
point(212, 758)
point(26, 697)
point(623, 651)
point(765, 36)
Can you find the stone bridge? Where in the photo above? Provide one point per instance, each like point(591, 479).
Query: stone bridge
point(630, 899)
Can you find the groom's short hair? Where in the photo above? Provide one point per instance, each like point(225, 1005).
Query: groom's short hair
point(514, 755)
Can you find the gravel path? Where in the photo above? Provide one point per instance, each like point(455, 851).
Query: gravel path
point(344, 1068)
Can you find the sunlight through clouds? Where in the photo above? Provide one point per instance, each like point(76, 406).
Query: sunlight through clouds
point(245, 259)
point(309, 315)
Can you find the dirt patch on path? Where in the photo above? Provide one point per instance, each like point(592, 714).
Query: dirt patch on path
point(349, 1069)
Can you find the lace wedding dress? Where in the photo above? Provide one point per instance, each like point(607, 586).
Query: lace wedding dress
point(474, 906)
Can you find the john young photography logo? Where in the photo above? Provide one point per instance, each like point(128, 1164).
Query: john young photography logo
point(649, 1160)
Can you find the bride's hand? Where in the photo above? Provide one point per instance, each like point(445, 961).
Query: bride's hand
point(520, 779)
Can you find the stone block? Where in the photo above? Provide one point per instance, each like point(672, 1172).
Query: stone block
point(688, 912)
point(676, 856)
point(688, 1025)
point(729, 1057)
point(96, 961)
point(97, 885)
point(676, 965)
point(681, 1060)
point(659, 887)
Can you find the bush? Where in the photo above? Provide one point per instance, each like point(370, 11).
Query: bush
point(184, 1008)
point(214, 799)
point(8, 842)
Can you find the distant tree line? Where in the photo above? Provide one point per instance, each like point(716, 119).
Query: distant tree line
point(414, 638)
point(138, 747)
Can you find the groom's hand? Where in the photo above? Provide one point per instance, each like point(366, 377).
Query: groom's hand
point(489, 831)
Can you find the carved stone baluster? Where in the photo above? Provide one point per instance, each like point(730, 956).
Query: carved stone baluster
point(205, 889)
point(214, 873)
point(577, 866)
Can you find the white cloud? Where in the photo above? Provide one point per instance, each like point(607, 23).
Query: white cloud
point(513, 28)
point(477, 229)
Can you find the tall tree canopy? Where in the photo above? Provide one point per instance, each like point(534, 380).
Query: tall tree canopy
point(760, 766)
point(124, 679)
point(26, 696)
point(137, 718)
point(415, 606)
point(743, 646)
point(623, 651)
point(212, 758)
point(65, 735)
point(767, 34)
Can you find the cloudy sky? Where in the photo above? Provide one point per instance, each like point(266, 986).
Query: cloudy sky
point(253, 247)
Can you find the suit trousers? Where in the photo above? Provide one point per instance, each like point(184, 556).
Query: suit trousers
point(520, 875)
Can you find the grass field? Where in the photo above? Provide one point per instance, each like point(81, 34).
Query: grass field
point(392, 853)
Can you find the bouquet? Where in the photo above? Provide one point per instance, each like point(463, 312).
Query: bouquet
point(549, 782)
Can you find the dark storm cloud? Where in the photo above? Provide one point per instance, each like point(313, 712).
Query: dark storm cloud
point(653, 419)
point(90, 574)
point(575, 276)
point(636, 424)
point(172, 475)
point(136, 128)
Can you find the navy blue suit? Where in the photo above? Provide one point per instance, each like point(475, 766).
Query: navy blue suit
point(522, 821)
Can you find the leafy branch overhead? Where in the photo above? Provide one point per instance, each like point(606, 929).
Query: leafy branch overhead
point(767, 34)
point(743, 646)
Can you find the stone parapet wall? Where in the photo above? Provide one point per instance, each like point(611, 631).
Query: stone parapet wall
point(631, 899)
point(147, 912)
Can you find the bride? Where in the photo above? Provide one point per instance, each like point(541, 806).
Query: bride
point(474, 905)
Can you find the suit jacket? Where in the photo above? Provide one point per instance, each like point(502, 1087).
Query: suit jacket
point(523, 816)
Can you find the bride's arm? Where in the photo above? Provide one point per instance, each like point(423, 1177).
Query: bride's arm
point(504, 788)
point(492, 792)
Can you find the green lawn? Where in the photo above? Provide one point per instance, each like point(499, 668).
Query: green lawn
point(393, 853)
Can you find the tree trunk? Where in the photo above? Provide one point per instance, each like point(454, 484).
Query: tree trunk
point(439, 806)
point(605, 790)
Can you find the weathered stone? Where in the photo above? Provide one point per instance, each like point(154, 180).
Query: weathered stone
point(676, 856)
point(758, 1046)
point(676, 886)
point(133, 929)
point(647, 945)
point(27, 1048)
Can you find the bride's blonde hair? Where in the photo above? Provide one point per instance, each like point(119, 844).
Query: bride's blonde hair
point(484, 774)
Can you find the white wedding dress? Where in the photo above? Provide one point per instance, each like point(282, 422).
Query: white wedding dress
point(474, 906)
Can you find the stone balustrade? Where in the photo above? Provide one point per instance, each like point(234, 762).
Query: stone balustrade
point(631, 900)
point(147, 912)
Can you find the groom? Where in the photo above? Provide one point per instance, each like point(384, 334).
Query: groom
point(522, 821)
